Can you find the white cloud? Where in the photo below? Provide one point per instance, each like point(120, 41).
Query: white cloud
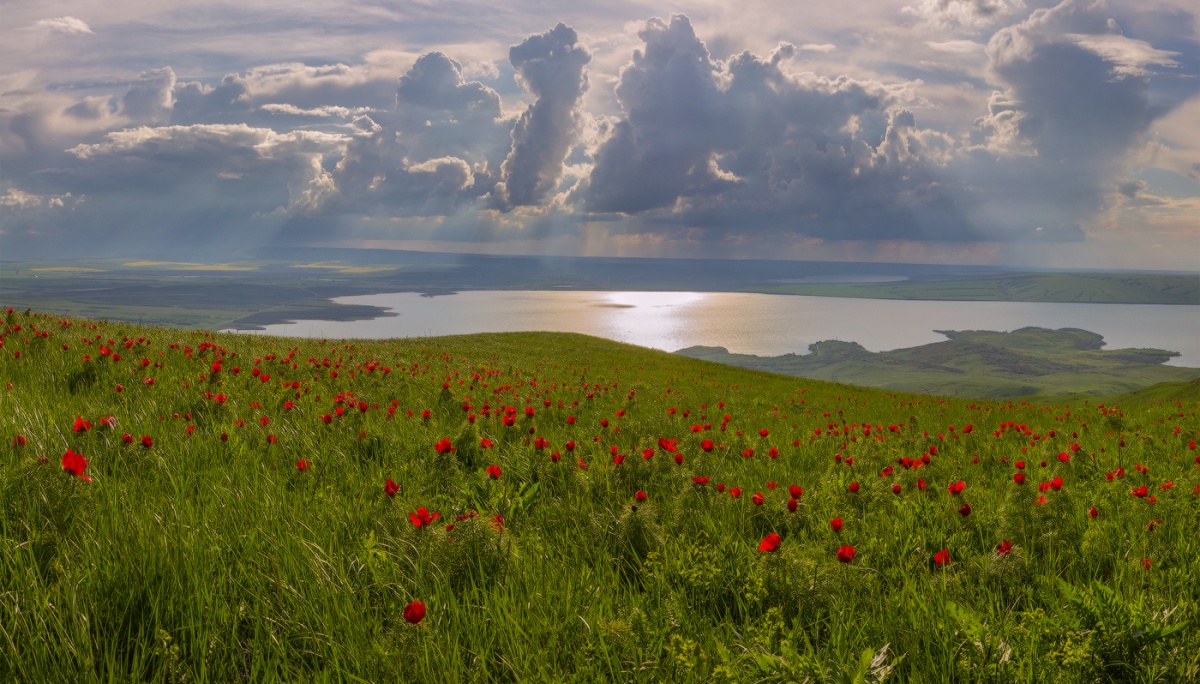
point(67, 25)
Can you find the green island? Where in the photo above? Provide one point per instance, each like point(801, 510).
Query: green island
point(188, 506)
point(977, 363)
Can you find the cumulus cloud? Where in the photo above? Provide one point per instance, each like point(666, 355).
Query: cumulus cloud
point(551, 66)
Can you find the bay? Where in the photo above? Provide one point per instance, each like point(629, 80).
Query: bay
point(744, 323)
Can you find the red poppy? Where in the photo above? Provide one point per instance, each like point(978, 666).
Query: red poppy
point(1146, 563)
point(302, 465)
point(147, 441)
point(493, 472)
point(707, 445)
point(19, 440)
point(1004, 548)
point(485, 443)
point(1139, 491)
point(414, 612)
point(941, 558)
point(735, 492)
point(75, 464)
point(896, 488)
point(1092, 512)
point(700, 479)
point(1064, 457)
point(758, 499)
point(390, 488)
point(444, 446)
point(640, 496)
point(965, 510)
point(796, 491)
point(1019, 478)
point(792, 505)
point(956, 488)
point(836, 524)
point(1056, 484)
point(770, 543)
point(845, 554)
point(853, 488)
point(422, 516)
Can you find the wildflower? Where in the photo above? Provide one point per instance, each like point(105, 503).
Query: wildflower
point(1019, 478)
point(796, 491)
point(1093, 513)
point(956, 488)
point(845, 554)
point(493, 472)
point(770, 543)
point(758, 499)
point(1139, 492)
point(941, 558)
point(1004, 547)
point(302, 465)
point(735, 492)
point(965, 510)
point(853, 488)
point(707, 445)
point(896, 488)
point(792, 505)
point(390, 488)
point(700, 480)
point(1146, 563)
point(836, 524)
point(414, 612)
point(640, 496)
point(444, 446)
point(75, 464)
point(485, 443)
point(147, 441)
point(422, 516)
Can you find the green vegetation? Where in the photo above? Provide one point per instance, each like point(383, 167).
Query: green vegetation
point(183, 506)
point(977, 363)
point(1093, 288)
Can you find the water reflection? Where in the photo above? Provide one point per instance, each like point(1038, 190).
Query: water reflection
point(752, 323)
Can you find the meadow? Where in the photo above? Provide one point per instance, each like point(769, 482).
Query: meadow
point(186, 506)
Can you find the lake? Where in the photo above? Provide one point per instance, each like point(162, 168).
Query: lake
point(751, 323)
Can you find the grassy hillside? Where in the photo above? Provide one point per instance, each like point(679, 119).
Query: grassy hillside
point(181, 506)
point(977, 363)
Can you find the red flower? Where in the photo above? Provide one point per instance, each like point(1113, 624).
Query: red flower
point(147, 441)
point(1019, 478)
point(390, 488)
point(853, 488)
point(758, 499)
point(1139, 491)
point(493, 472)
point(763, 432)
point(965, 510)
point(700, 479)
point(1092, 512)
point(896, 488)
point(19, 440)
point(941, 558)
point(414, 612)
point(707, 445)
point(1056, 484)
point(796, 491)
point(444, 446)
point(792, 505)
point(1004, 547)
point(845, 554)
point(770, 543)
point(302, 465)
point(956, 488)
point(422, 517)
point(1064, 457)
point(640, 496)
point(836, 524)
point(1146, 563)
point(81, 425)
point(735, 492)
point(721, 487)
point(485, 443)
point(75, 464)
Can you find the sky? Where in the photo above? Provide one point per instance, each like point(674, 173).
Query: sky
point(1005, 132)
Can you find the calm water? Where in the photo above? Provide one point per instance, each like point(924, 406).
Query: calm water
point(752, 323)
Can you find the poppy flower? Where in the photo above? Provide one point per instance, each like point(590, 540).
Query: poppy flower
point(640, 496)
point(1146, 563)
point(444, 446)
point(836, 524)
point(792, 505)
point(853, 488)
point(422, 516)
point(845, 554)
point(1139, 492)
point(19, 440)
point(770, 543)
point(700, 479)
point(390, 488)
point(1019, 478)
point(941, 558)
point(485, 443)
point(302, 465)
point(1004, 548)
point(796, 491)
point(965, 510)
point(493, 472)
point(896, 488)
point(758, 499)
point(721, 487)
point(1093, 513)
point(956, 488)
point(414, 612)
point(147, 441)
point(735, 492)
point(75, 464)
point(706, 445)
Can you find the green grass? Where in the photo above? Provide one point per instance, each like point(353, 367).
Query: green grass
point(209, 556)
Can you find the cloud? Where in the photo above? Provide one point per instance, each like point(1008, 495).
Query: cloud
point(67, 25)
point(551, 66)
point(964, 13)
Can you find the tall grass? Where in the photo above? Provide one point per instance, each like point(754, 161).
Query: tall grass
point(209, 555)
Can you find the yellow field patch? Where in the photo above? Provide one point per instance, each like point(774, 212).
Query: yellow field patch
point(191, 266)
point(69, 269)
point(342, 268)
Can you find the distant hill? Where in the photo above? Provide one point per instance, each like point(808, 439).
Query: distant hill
point(977, 363)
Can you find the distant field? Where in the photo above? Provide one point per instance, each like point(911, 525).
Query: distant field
point(996, 365)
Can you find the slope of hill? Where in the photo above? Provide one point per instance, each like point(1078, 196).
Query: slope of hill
point(977, 363)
